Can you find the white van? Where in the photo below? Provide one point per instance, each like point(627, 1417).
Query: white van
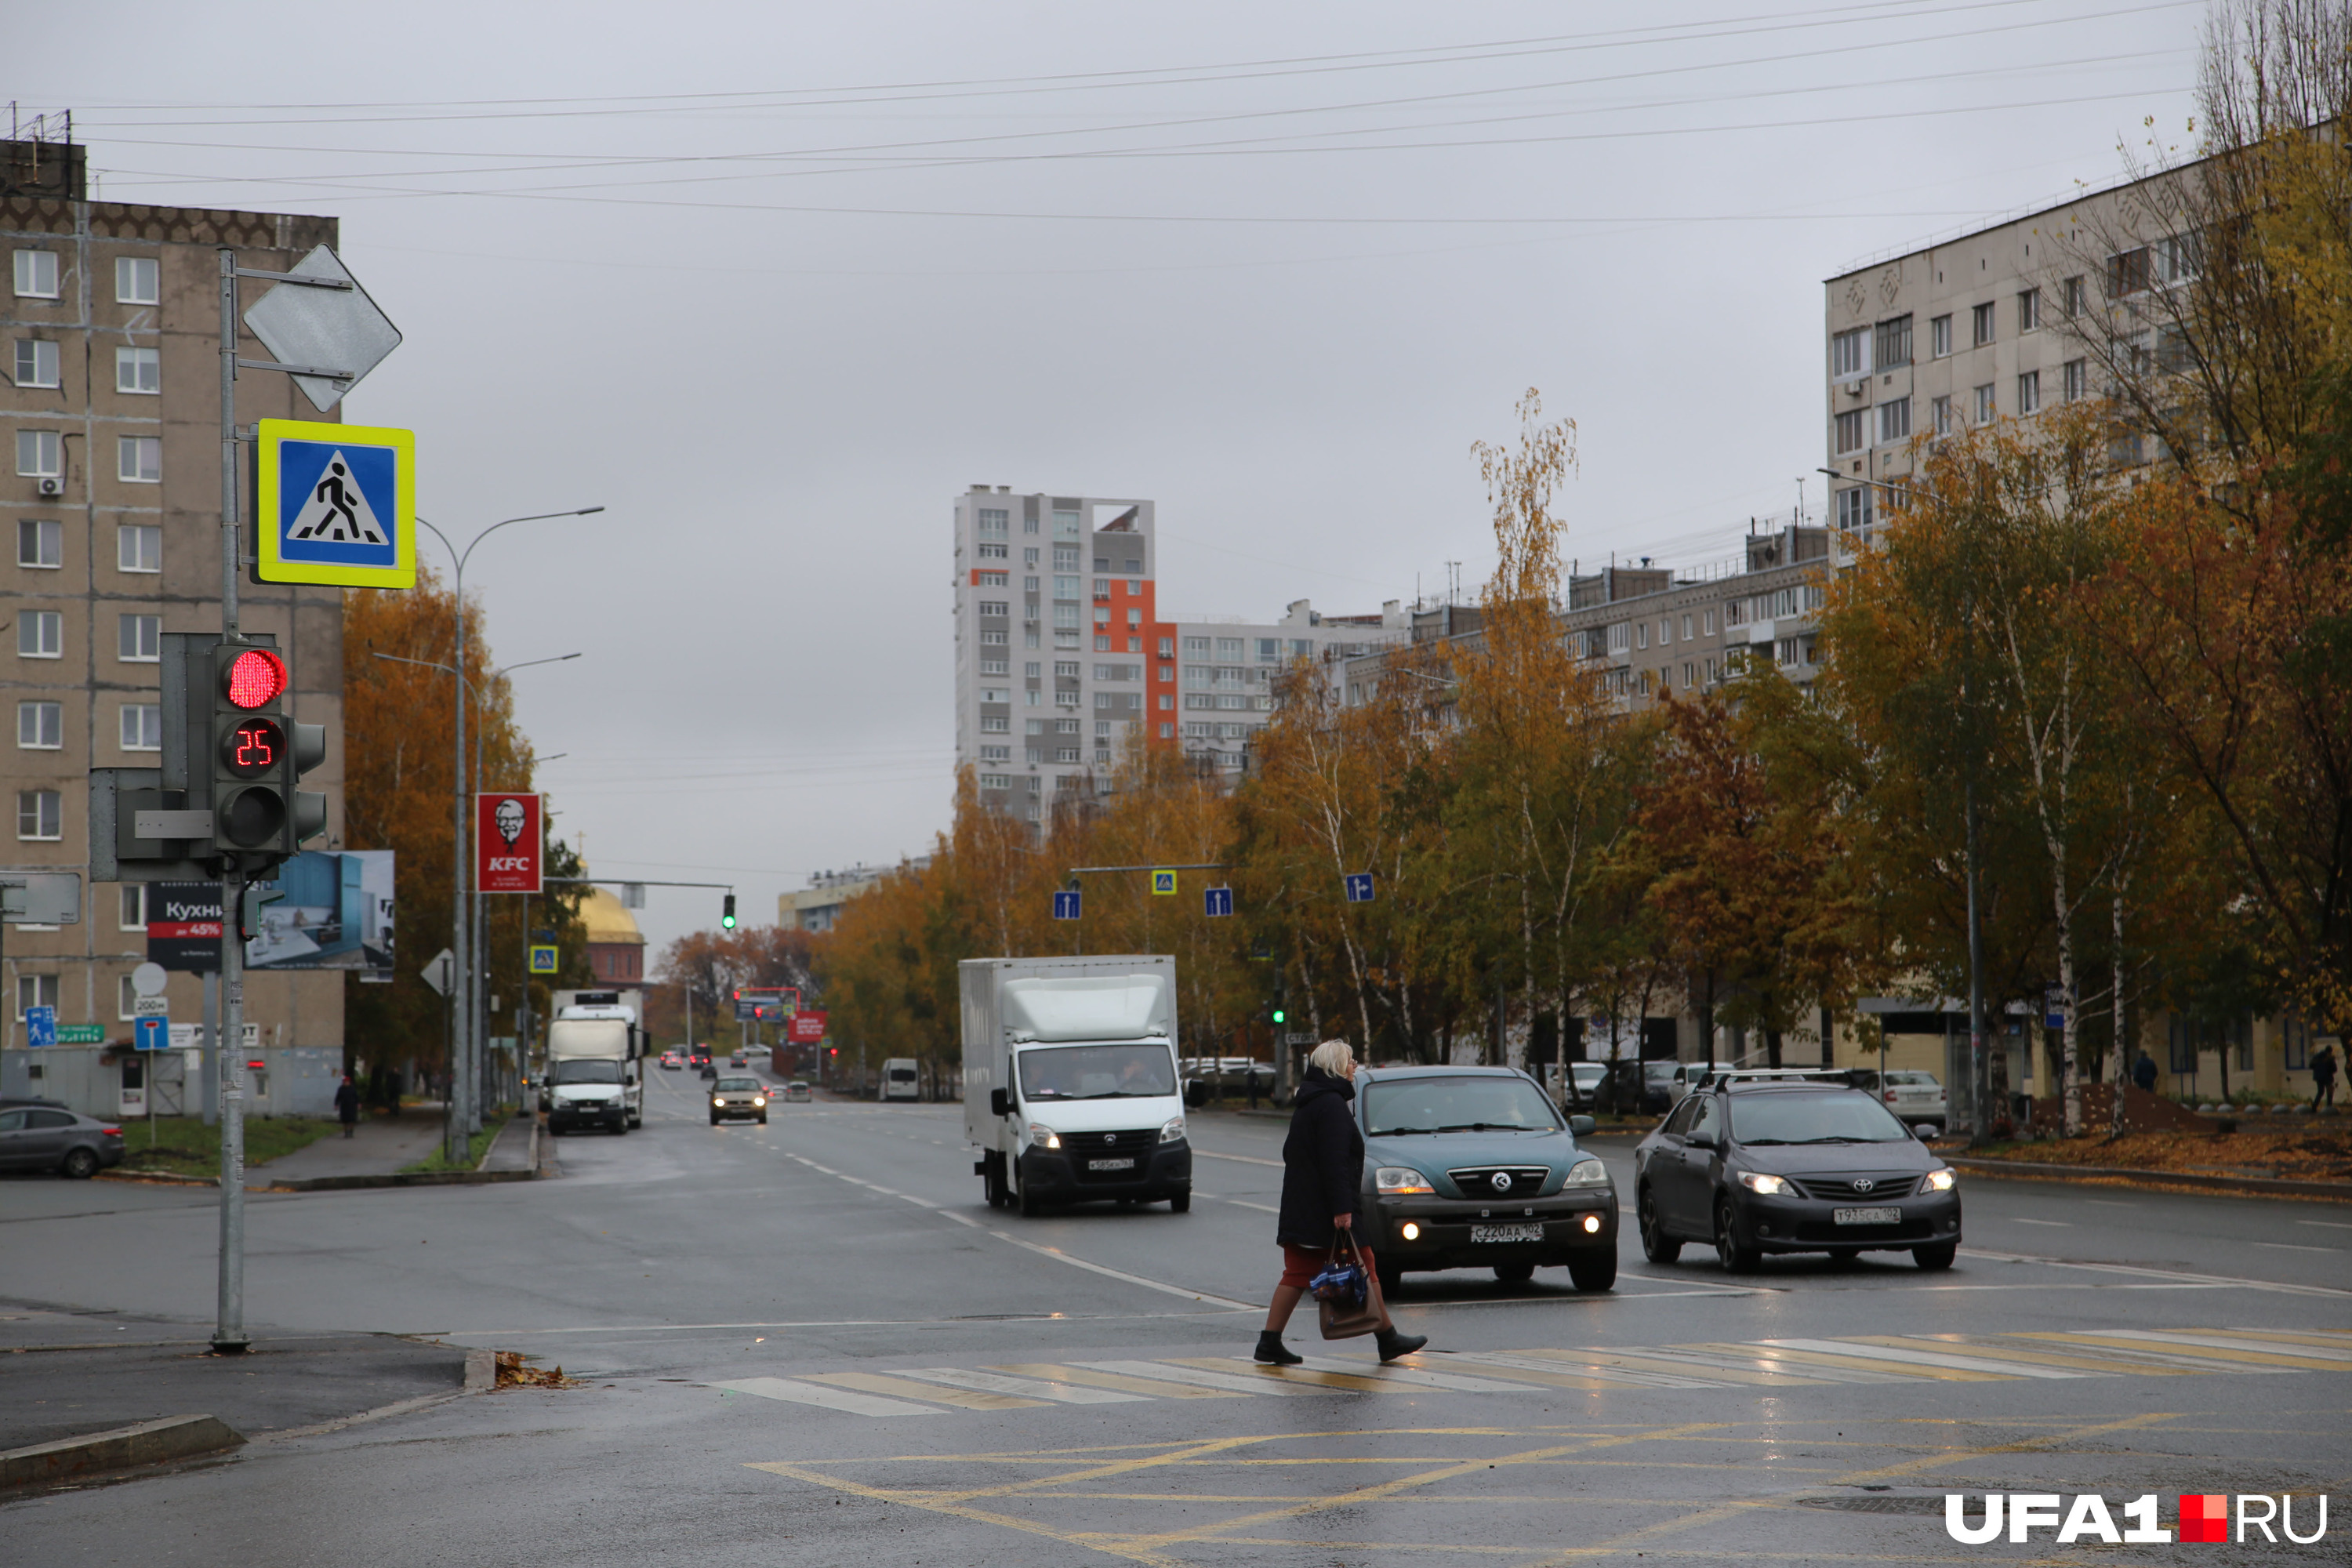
point(902, 1078)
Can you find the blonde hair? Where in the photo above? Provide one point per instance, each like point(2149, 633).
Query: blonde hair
point(1333, 1057)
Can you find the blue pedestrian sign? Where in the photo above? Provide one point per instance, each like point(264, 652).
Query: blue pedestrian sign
point(542, 958)
point(1360, 887)
point(40, 1026)
point(152, 1033)
point(337, 504)
point(1217, 901)
point(1066, 905)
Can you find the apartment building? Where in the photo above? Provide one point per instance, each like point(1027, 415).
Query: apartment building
point(110, 506)
point(1063, 653)
point(818, 906)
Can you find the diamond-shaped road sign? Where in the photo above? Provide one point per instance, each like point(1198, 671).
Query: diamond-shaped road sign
point(337, 333)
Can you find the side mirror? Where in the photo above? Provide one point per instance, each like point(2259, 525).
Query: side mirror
point(998, 1103)
point(1702, 1140)
point(1581, 1126)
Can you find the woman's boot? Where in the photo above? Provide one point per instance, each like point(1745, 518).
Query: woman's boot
point(1272, 1351)
point(1393, 1344)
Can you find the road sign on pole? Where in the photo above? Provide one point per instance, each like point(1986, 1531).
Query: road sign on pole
point(152, 1033)
point(40, 1026)
point(1065, 905)
point(1217, 902)
point(542, 958)
point(335, 504)
point(1164, 883)
point(1360, 887)
point(323, 326)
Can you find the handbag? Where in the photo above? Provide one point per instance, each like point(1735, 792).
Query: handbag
point(1349, 1304)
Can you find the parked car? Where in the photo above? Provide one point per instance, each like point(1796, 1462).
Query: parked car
point(797, 1092)
point(1914, 1096)
point(47, 1137)
point(1636, 1089)
point(1791, 1160)
point(1584, 1081)
point(1474, 1167)
point(733, 1097)
point(672, 1060)
point(1688, 1076)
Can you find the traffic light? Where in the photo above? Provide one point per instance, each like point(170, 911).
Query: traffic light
point(258, 753)
point(1276, 1015)
point(727, 913)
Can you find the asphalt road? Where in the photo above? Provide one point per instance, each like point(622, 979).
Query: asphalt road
point(810, 1343)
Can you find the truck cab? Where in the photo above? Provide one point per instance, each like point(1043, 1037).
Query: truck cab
point(595, 1062)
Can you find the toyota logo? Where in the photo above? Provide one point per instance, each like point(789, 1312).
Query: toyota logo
point(1502, 1180)
point(1111, 1138)
point(1864, 1185)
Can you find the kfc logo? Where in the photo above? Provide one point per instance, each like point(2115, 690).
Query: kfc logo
point(2205, 1517)
point(507, 833)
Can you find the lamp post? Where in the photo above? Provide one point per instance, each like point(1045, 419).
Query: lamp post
point(481, 923)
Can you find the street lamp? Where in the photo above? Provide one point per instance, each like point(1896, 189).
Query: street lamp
point(480, 1024)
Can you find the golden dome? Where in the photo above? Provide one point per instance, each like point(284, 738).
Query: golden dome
point(606, 920)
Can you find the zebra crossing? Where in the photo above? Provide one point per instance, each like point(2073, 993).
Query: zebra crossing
point(1788, 1362)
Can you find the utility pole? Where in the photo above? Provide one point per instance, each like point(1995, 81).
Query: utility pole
point(229, 1327)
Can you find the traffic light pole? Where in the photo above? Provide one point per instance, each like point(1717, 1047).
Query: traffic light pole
point(228, 1327)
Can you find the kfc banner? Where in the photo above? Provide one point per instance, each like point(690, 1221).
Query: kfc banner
point(507, 839)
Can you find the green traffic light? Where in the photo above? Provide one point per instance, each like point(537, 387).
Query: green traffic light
point(727, 913)
point(1278, 1015)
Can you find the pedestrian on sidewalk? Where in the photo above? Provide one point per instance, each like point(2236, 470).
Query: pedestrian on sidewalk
point(1322, 1178)
point(346, 1104)
point(2323, 1079)
point(2143, 1072)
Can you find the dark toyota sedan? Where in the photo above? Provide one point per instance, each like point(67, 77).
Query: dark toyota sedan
point(1473, 1168)
point(1753, 1163)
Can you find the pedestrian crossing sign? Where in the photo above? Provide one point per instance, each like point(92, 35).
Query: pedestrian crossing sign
point(336, 504)
point(542, 958)
point(1163, 882)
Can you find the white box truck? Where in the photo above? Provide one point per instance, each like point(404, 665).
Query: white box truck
point(902, 1078)
point(594, 1073)
point(1069, 1080)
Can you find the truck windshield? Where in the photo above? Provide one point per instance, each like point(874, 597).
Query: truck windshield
point(1097, 1072)
point(1465, 1104)
point(587, 1072)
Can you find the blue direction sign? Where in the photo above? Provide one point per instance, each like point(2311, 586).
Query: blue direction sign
point(152, 1033)
point(40, 1026)
point(1360, 887)
point(1217, 901)
point(1066, 905)
point(337, 504)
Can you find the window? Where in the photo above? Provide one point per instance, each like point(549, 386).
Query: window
point(1940, 416)
point(137, 281)
point(40, 454)
point(1665, 631)
point(1134, 619)
point(133, 915)
point(2177, 259)
point(2074, 378)
point(39, 814)
point(1852, 430)
point(1066, 754)
point(1735, 613)
point(1168, 732)
point(139, 459)
point(1167, 649)
point(1982, 319)
point(139, 370)
point(1621, 636)
point(995, 726)
point(41, 634)
point(996, 754)
point(2127, 273)
point(2071, 297)
point(1894, 420)
point(37, 362)
point(2029, 309)
point(40, 542)
point(1706, 622)
point(994, 552)
point(40, 726)
point(1850, 355)
point(1065, 588)
point(1987, 410)
point(1784, 602)
point(995, 781)
point(1816, 596)
point(1102, 587)
point(1167, 700)
point(995, 520)
point(138, 547)
point(996, 640)
point(34, 989)
point(36, 275)
point(1853, 509)
point(1066, 666)
point(993, 607)
point(1066, 526)
point(2029, 393)
point(139, 640)
point(1229, 648)
point(1939, 337)
point(1891, 344)
point(994, 694)
point(1687, 629)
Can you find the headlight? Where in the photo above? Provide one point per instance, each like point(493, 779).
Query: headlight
point(1172, 1131)
point(1043, 1137)
point(1587, 1174)
point(1942, 1180)
point(1400, 1181)
point(1756, 1182)
point(1410, 1231)
point(758, 1102)
point(716, 1100)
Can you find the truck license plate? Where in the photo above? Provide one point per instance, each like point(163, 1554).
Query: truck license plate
point(1868, 1216)
point(1506, 1233)
point(1110, 1165)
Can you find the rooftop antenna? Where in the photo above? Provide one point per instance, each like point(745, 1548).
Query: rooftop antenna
point(1800, 500)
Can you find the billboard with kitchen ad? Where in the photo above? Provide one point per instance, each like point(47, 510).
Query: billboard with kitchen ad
point(326, 910)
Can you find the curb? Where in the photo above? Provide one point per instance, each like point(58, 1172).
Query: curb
point(148, 1443)
point(2252, 1186)
point(333, 1184)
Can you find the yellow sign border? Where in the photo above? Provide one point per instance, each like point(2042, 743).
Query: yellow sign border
point(1164, 883)
point(269, 568)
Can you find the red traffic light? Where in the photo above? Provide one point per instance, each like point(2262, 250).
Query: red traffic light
point(255, 676)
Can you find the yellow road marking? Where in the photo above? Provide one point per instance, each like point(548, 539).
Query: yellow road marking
point(2198, 1352)
point(2003, 1351)
point(1295, 1374)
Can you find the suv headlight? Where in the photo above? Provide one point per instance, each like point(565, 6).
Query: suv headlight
point(759, 1101)
point(1942, 1180)
point(718, 1100)
point(1587, 1172)
point(1402, 1181)
point(1043, 1137)
point(1172, 1131)
point(1756, 1182)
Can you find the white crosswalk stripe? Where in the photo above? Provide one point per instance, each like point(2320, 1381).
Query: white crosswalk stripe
point(843, 1399)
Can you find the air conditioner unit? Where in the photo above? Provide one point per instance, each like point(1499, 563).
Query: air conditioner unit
point(51, 488)
point(1859, 388)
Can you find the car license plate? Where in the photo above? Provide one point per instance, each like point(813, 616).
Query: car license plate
point(1110, 1165)
point(1506, 1233)
point(1868, 1216)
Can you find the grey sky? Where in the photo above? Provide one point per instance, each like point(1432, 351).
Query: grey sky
point(773, 283)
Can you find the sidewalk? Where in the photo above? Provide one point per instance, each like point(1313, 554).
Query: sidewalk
point(511, 1149)
point(379, 1146)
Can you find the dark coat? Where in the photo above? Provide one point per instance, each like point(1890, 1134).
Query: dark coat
point(2143, 1072)
point(347, 1102)
point(1322, 1160)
